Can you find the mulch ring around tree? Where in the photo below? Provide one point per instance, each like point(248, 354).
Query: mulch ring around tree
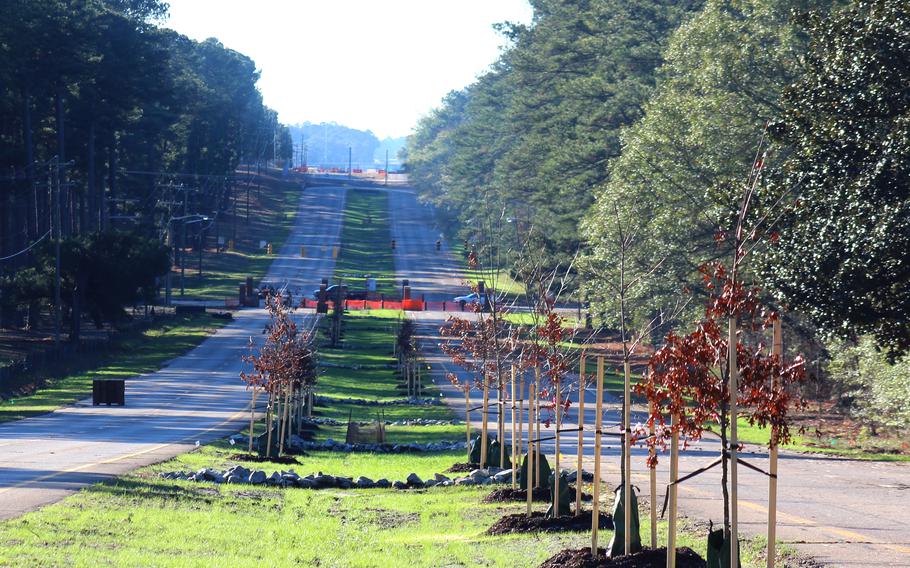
point(540, 495)
point(538, 522)
point(648, 558)
point(462, 468)
point(259, 459)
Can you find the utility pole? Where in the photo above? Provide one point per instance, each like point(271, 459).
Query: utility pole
point(183, 243)
point(350, 171)
point(55, 199)
point(386, 167)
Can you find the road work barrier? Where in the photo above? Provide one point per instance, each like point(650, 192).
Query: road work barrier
point(409, 304)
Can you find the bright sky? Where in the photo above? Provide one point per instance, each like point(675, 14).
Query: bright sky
point(368, 64)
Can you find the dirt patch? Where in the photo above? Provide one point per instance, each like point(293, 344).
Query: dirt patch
point(387, 519)
point(537, 522)
point(540, 495)
point(462, 468)
point(649, 558)
point(286, 460)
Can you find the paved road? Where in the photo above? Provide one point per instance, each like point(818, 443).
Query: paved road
point(840, 512)
point(196, 397)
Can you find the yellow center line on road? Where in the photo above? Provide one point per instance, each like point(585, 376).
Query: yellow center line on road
point(82, 467)
point(797, 520)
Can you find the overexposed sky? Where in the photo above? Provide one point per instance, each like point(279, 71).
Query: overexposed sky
point(368, 64)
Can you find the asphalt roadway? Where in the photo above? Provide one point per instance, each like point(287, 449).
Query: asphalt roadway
point(840, 512)
point(195, 398)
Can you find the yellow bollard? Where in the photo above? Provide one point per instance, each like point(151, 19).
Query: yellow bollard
point(335, 252)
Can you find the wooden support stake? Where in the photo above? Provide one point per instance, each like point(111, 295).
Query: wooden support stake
point(653, 475)
point(284, 420)
point(501, 421)
point(777, 348)
point(483, 425)
point(252, 419)
point(581, 425)
point(521, 413)
point(514, 441)
point(556, 458)
point(627, 458)
point(595, 506)
point(734, 501)
point(536, 402)
point(674, 475)
point(467, 416)
point(268, 424)
point(530, 480)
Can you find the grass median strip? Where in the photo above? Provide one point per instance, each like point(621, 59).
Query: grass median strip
point(364, 368)
point(366, 242)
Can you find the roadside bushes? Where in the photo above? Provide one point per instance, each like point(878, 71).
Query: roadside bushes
point(874, 389)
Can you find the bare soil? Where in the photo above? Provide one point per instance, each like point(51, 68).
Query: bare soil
point(539, 495)
point(648, 558)
point(258, 459)
point(537, 522)
point(462, 467)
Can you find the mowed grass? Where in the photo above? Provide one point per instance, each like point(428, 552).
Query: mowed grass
point(366, 242)
point(141, 351)
point(364, 368)
point(750, 434)
point(142, 520)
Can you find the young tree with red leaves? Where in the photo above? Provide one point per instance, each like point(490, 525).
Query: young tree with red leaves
point(285, 369)
point(707, 376)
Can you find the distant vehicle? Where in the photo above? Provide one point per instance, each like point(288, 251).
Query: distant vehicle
point(472, 298)
point(332, 291)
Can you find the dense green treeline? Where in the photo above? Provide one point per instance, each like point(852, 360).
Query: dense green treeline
point(125, 125)
point(531, 138)
point(627, 131)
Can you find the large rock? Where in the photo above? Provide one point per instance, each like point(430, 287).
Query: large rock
point(383, 483)
point(344, 482)
point(257, 477)
point(364, 482)
point(545, 472)
point(479, 475)
point(400, 485)
point(440, 478)
point(324, 481)
point(414, 480)
point(504, 476)
point(465, 481)
point(239, 471)
point(305, 483)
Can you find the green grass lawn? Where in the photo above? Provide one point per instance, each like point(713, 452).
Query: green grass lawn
point(142, 520)
point(366, 242)
point(802, 443)
point(364, 368)
point(139, 351)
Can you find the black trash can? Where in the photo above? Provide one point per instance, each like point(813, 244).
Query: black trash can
point(109, 391)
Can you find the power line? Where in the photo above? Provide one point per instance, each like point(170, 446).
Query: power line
point(26, 249)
